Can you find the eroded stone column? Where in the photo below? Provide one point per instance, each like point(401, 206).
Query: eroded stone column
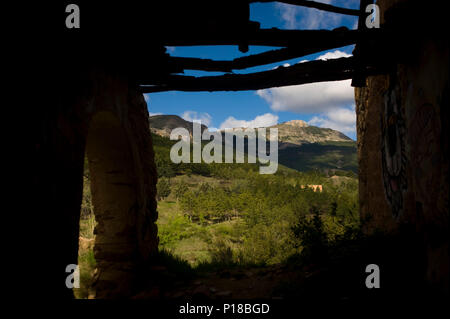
point(101, 110)
point(121, 164)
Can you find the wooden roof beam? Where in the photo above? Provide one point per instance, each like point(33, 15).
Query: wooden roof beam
point(272, 56)
point(264, 37)
point(316, 5)
point(301, 73)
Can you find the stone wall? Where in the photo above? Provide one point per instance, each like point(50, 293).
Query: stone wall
point(402, 129)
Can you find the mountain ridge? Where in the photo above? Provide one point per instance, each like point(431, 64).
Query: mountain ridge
point(163, 124)
point(295, 132)
point(301, 146)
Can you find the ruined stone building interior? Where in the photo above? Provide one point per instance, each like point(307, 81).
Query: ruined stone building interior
point(91, 82)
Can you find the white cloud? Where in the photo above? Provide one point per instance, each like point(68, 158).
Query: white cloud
point(309, 98)
point(170, 49)
point(153, 114)
point(296, 17)
point(333, 55)
point(331, 100)
point(264, 120)
point(342, 119)
point(313, 97)
point(193, 116)
point(288, 14)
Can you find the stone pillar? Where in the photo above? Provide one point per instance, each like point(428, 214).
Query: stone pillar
point(100, 113)
point(402, 127)
point(121, 164)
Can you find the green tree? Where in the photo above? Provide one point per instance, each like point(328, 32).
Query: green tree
point(163, 188)
point(204, 188)
point(311, 235)
point(188, 203)
point(180, 189)
point(164, 166)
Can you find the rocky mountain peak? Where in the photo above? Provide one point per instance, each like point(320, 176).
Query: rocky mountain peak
point(296, 123)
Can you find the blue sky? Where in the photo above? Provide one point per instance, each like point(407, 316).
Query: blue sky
point(327, 104)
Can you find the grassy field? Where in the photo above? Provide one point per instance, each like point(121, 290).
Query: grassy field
point(193, 242)
point(188, 244)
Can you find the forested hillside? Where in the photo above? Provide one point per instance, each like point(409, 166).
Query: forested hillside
point(230, 211)
point(228, 215)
